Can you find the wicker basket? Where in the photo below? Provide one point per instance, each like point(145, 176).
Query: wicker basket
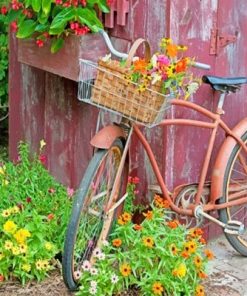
point(113, 91)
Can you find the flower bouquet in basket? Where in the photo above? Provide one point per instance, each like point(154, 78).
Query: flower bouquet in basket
point(140, 88)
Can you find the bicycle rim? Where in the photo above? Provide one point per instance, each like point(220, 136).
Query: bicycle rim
point(235, 185)
point(89, 212)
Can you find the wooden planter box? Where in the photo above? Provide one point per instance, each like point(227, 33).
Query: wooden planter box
point(65, 63)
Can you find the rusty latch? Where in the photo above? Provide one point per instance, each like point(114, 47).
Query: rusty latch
point(219, 40)
point(120, 8)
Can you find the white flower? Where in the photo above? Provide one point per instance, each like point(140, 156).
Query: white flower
point(86, 265)
point(156, 77)
point(106, 58)
point(93, 284)
point(97, 252)
point(193, 87)
point(93, 290)
point(135, 59)
point(114, 279)
point(93, 271)
point(77, 275)
point(154, 61)
point(101, 256)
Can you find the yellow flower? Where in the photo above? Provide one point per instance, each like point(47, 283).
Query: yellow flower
point(180, 271)
point(48, 246)
point(21, 235)
point(2, 170)
point(190, 247)
point(8, 245)
point(39, 264)
point(198, 261)
point(45, 264)
point(16, 251)
point(148, 242)
point(26, 267)
point(15, 210)
point(125, 269)
point(157, 288)
point(23, 248)
point(200, 290)
point(6, 213)
point(10, 226)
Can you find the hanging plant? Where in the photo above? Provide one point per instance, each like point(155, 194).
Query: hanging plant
point(55, 19)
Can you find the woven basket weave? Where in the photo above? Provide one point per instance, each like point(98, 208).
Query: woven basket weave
point(113, 91)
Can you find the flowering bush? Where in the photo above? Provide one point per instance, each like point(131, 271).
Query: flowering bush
point(54, 19)
point(157, 257)
point(169, 69)
point(34, 212)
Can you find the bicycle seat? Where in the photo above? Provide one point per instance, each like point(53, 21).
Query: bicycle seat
point(224, 84)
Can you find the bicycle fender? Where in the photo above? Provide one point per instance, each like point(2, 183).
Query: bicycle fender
point(106, 136)
point(222, 158)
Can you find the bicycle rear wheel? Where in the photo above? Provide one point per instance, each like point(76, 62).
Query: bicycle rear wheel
point(89, 222)
point(235, 185)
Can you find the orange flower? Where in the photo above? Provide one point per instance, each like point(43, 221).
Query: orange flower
point(185, 254)
point(181, 65)
point(202, 241)
point(148, 215)
point(171, 50)
point(157, 288)
point(198, 261)
point(209, 254)
point(1, 278)
point(50, 216)
point(140, 66)
point(137, 227)
point(120, 221)
point(190, 247)
point(200, 290)
point(124, 218)
point(117, 242)
point(202, 275)
point(148, 241)
point(125, 269)
point(161, 202)
point(196, 232)
point(173, 224)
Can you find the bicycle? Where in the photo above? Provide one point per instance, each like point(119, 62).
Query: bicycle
point(102, 189)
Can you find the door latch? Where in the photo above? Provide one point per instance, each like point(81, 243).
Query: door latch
point(219, 40)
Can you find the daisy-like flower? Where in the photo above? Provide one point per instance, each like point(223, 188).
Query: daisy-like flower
point(8, 245)
point(200, 290)
point(198, 261)
point(9, 226)
point(101, 256)
point(148, 241)
point(48, 246)
point(137, 227)
point(125, 269)
point(86, 265)
point(93, 290)
point(209, 254)
point(180, 271)
point(77, 275)
point(173, 224)
point(26, 267)
point(173, 249)
point(148, 215)
point(114, 278)
point(202, 275)
point(23, 248)
point(6, 213)
point(93, 284)
point(15, 210)
point(157, 288)
point(39, 265)
point(21, 235)
point(97, 252)
point(93, 271)
point(190, 247)
point(16, 251)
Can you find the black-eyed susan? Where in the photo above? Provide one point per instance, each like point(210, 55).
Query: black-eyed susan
point(148, 241)
point(200, 290)
point(198, 261)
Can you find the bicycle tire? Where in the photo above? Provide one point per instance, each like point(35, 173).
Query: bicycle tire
point(79, 240)
point(231, 176)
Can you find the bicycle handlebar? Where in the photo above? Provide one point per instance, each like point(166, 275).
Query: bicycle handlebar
point(125, 55)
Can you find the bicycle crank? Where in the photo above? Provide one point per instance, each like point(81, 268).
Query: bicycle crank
point(232, 227)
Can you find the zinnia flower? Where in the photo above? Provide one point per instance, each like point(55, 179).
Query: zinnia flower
point(209, 254)
point(180, 271)
point(21, 235)
point(148, 215)
point(198, 261)
point(200, 290)
point(117, 242)
point(148, 241)
point(157, 288)
point(10, 226)
point(125, 270)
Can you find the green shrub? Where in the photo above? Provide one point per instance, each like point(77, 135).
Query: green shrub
point(157, 257)
point(34, 213)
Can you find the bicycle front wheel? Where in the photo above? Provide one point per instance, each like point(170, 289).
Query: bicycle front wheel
point(88, 221)
point(234, 187)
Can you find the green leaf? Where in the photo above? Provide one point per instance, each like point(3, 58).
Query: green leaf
point(26, 29)
point(43, 18)
point(86, 16)
point(103, 6)
point(56, 44)
point(13, 15)
point(61, 19)
point(36, 4)
point(41, 28)
point(46, 6)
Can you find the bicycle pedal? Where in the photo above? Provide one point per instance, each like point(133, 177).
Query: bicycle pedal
point(234, 227)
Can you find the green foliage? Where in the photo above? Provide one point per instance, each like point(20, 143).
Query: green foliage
point(3, 62)
point(45, 19)
point(157, 257)
point(34, 213)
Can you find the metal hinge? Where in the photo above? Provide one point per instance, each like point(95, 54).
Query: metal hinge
point(119, 8)
point(219, 40)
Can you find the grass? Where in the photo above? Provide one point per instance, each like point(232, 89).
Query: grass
point(3, 153)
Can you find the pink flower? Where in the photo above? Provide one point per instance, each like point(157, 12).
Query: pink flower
point(43, 159)
point(163, 60)
point(86, 265)
point(70, 191)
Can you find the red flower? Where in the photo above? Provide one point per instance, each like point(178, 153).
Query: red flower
point(1, 278)
point(28, 199)
point(4, 10)
point(43, 158)
point(50, 217)
point(14, 26)
point(40, 43)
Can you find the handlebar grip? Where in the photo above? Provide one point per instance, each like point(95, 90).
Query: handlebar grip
point(201, 66)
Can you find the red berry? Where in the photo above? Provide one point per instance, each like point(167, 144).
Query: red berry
point(4, 10)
